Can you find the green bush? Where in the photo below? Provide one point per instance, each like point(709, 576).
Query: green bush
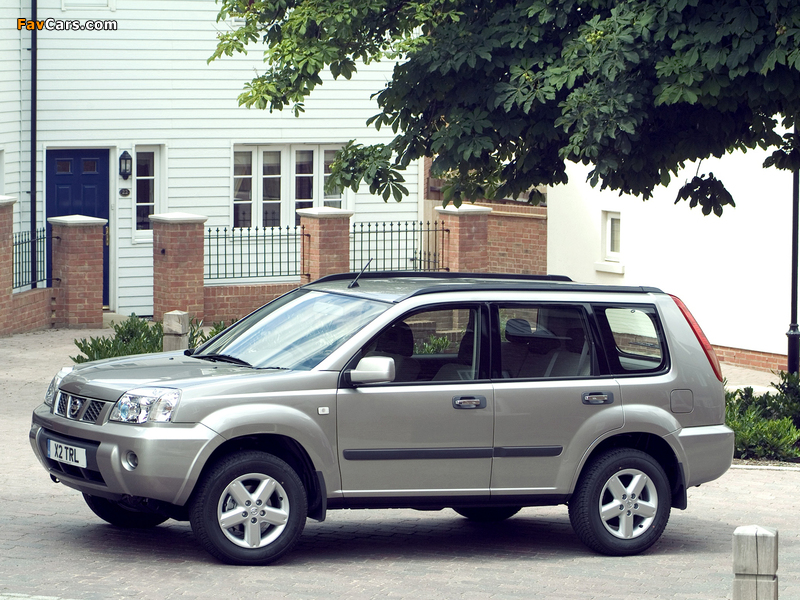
point(761, 438)
point(434, 345)
point(137, 336)
point(766, 425)
point(133, 336)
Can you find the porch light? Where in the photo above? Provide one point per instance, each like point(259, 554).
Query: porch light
point(125, 165)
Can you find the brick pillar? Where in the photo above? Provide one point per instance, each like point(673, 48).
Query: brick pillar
point(77, 261)
point(326, 243)
point(468, 245)
point(178, 256)
point(6, 263)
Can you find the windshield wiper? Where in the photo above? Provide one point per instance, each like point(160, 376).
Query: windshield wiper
point(224, 358)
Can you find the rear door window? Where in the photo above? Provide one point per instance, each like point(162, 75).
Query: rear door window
point(544, 341)
point(638, 344)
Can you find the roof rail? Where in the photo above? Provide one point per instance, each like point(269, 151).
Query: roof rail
point(441, 275)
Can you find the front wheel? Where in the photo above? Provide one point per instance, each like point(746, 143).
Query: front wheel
point(120, 515)
point(621, 504)
point(249, 509)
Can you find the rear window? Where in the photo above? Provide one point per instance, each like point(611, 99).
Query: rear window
point(638, 343)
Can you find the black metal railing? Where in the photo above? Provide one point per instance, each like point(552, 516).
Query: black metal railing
point(253, 252)
point(23, 244)
point(399, 246)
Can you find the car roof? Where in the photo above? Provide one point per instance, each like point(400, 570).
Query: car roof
point(395, 286)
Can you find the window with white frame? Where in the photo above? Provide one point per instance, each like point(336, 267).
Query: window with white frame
point(271, 182)
point(612, 241)
point(67, 4)
point(146, 173)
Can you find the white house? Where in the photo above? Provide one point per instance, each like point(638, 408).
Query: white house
point(732, 272)
point(130, 76)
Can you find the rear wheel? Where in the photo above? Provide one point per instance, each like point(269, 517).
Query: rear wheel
point(621, 504)
point(488, 514)
point(122, 516)
point(249, 509)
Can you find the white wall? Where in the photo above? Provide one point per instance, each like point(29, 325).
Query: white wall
point(732, 272)
point(14, 74)
point(148, 83)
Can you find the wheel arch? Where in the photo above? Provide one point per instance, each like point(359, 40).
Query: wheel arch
point(288, 450)
point(653, 445)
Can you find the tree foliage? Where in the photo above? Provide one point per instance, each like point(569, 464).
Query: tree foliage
point(502, 92)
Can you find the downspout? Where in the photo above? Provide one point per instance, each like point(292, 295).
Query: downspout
point(34, 274)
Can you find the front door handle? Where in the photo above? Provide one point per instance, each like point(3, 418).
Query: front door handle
point(468, 402)
point(595, 398)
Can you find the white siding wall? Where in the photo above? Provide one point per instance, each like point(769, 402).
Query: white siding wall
point(14, 73)
point(732, 272)
point(148, 84)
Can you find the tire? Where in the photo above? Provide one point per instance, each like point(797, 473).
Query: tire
point(621, 504)
point(488, 514)
point(120, 515)
point(249, 509)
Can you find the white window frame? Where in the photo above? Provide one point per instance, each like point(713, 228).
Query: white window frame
point(611, 253)
point(159, 182)
point(287, 185)
point(93, 4)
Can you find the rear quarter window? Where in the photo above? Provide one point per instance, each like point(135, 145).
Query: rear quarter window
point(634, 339)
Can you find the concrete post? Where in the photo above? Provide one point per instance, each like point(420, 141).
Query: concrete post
point(326, 243)
point(176, 330)
point(178, 254)
point(6, 263)
point(755, 563)
point(78, 270)
point(468, 250)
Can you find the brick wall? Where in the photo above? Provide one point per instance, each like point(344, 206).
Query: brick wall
point(517, 238)
point(35, 309)
point(178, 280)
point(6, 264)
point(230, 302)
point(326, 242)
point(752, 359)
point(466, 248)
point(78, 270)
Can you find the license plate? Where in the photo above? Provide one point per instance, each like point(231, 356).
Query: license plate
point(66, 454)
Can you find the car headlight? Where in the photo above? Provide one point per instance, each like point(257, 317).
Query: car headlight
point(146, 404)
point(52, 390)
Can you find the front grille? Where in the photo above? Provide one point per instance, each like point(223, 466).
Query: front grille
point(77, 408)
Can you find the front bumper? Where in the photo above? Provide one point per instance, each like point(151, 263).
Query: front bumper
point(170, 456)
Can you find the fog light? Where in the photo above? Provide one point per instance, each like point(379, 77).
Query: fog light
point(132, 459)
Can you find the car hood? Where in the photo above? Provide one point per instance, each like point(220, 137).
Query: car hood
point(109, 379)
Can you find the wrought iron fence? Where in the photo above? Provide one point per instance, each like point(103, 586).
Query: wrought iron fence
point(23, 244)
point(399, 246)
point(253, 252)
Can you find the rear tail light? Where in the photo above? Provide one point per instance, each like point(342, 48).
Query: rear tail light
point(701, 337)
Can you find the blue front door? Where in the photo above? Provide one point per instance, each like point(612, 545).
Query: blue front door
point(78, 184)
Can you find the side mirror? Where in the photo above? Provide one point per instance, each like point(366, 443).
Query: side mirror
point(373, 369)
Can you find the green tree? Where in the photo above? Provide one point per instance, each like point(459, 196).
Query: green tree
point(501, 92)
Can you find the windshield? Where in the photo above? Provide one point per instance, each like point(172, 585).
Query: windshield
point(295, 331)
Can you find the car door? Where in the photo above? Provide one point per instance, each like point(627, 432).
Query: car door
point(550, 403)
point(429, 432)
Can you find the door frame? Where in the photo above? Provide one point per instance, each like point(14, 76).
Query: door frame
point(113, 180)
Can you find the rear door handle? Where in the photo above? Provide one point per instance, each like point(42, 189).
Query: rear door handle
point(468, 402)
point(595, 398)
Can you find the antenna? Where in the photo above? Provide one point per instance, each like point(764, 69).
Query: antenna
point(354, 283)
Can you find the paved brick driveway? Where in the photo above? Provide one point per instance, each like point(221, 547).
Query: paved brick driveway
point(52, 546)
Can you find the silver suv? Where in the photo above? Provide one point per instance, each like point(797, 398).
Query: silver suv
point(480, 393)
